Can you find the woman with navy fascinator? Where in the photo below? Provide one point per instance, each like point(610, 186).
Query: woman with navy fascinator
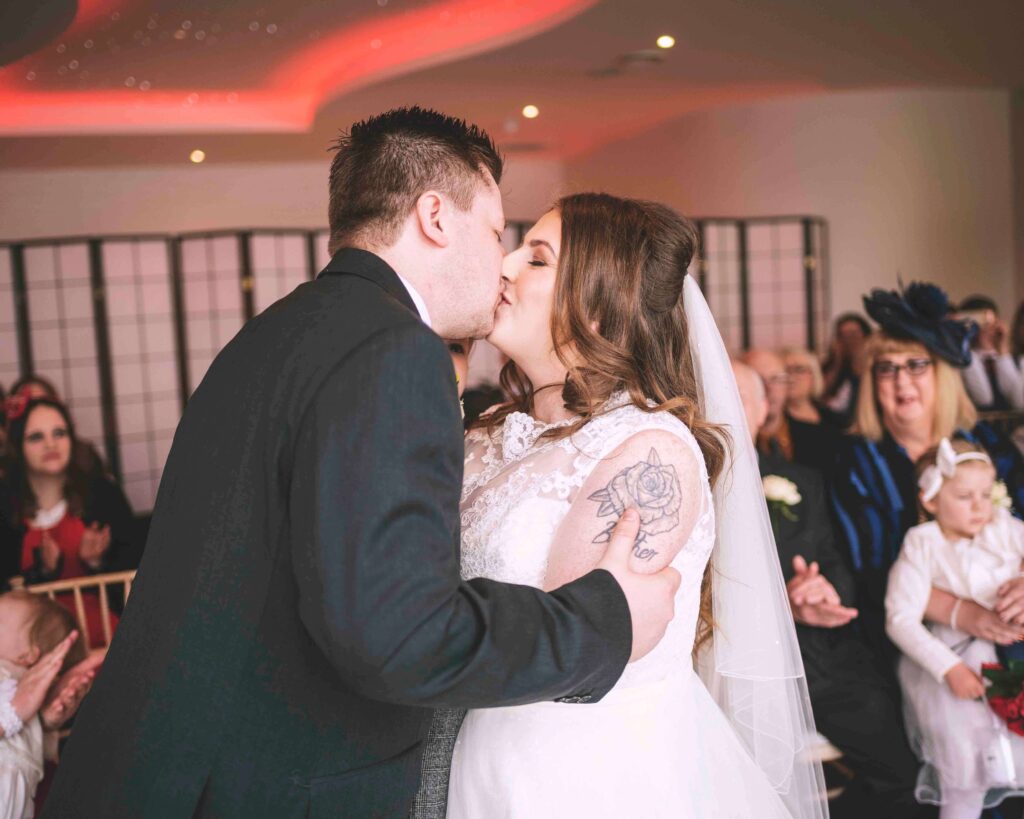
point(911, 396)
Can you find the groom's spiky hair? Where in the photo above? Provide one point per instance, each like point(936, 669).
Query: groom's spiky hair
point(384, 163)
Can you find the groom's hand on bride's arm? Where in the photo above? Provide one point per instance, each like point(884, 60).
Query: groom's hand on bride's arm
point(651, 597)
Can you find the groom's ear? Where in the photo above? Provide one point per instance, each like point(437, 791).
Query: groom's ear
point(433, 216)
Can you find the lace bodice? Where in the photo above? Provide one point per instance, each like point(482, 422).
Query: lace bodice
point(518, 488)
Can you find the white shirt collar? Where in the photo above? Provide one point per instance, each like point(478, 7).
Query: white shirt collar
point(417, 299)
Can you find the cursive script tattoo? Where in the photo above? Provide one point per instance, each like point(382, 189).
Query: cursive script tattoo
point(649, 487)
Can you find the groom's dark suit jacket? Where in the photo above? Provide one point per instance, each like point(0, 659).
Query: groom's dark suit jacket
point(298, 612)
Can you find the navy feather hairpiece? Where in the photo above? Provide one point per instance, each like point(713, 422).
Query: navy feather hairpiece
point(922, 313)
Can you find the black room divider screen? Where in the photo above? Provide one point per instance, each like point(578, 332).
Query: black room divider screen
point(126, 326)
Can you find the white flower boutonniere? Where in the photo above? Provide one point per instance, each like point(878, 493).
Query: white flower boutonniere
point(1001, 496)
point(782, 494)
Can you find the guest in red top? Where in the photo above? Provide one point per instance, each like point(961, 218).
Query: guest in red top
point(62, 522)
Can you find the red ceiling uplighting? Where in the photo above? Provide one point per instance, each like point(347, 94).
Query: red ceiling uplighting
point(283, 86)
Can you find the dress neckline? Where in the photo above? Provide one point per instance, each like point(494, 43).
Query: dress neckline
point(48, 518)
point(520, 430)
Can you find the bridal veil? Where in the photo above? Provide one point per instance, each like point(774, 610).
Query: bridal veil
point(752, 665)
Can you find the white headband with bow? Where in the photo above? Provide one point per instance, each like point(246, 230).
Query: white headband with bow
point(946, 462)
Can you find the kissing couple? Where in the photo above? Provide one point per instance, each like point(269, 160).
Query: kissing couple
point(334, 573)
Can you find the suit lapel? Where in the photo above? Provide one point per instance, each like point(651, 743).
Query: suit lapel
point(352, 261)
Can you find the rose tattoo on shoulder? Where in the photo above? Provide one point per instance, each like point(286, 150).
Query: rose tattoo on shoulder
point(649, 487)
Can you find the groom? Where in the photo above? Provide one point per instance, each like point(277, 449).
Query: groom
point(299, 612)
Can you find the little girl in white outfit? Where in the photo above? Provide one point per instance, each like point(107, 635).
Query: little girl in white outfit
point(971, 548)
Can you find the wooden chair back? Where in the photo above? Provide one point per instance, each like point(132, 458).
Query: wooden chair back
point(75, 586)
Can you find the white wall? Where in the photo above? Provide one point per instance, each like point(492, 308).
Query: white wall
point(183, 197)
point(915, 183)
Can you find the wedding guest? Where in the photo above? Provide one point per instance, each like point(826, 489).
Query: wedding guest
point(805, 387)
point(60, 522)
point(774, 433)
point(796, 439)
point(854, 706)
point(813, 427)
point(992, 377)
point(35, 386)
point(971, 760)
point(910, 398)
point(843, 367)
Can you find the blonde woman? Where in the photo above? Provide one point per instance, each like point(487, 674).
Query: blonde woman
point(910, 398)
point(805, 385)
point(813, 428)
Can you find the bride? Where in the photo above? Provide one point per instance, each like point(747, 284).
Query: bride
point(623, 398)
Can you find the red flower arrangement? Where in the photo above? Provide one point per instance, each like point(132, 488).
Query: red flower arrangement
point(1005, 694)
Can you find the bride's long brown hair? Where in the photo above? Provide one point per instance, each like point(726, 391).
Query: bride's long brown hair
point(619, 309)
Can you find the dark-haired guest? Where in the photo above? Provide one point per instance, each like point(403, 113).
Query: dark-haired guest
point(992, 377)
point(32, 386)
point(855, 707)
point(842, 368)
point(912, 396)
point(60, 522)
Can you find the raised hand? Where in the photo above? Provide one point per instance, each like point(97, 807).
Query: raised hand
point(964, 683)
point(49, 551)
point(69, 691)
point(651, 597)
point(814, 600)
point(809, 586)
point(95, 542)
point(1001, 337)
point(32, 687)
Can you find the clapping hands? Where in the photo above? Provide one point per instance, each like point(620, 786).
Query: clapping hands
point(69, 691)
point(813, 599)
point(49, 553)
point(34, 685)
point(95, 542)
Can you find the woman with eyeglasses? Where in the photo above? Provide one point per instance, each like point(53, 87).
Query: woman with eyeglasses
point(813, 428)
point(910, 398)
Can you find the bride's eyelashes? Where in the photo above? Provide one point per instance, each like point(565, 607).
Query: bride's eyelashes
point(538, 263)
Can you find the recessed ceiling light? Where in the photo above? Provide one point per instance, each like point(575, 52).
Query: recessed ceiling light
point(666, 41)
point(531, 111)
point(197, 156)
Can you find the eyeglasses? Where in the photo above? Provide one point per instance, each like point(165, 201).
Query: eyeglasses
point(915, 367)
point(797, 369)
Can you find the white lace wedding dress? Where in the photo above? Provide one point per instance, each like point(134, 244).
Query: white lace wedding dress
point(657, 745)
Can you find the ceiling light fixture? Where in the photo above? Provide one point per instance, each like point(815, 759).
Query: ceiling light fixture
point(531, 111)
point(666, 41)
point(197, 156)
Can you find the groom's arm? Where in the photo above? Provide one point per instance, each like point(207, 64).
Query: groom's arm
point(376, 483)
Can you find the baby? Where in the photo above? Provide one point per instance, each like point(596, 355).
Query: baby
point(970, 548)
point(37, 644)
